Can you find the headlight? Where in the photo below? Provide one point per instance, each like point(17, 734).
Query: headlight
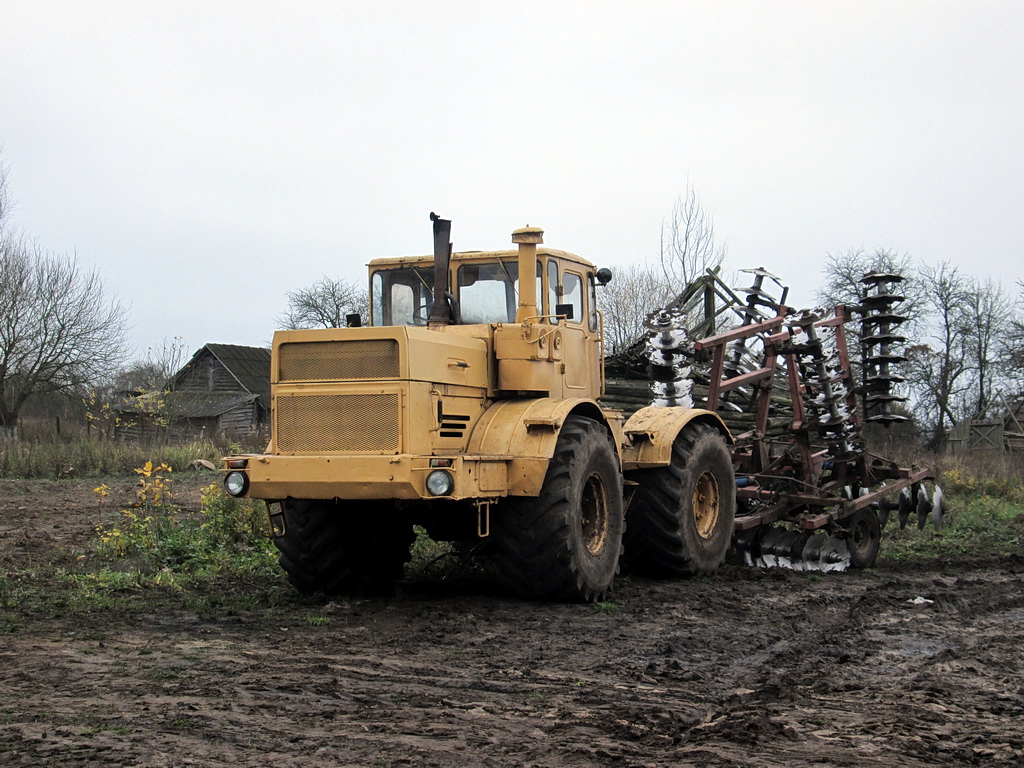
point(236, 483)
point(440, 483)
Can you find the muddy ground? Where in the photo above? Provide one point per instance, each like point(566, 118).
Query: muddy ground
point(749, 668)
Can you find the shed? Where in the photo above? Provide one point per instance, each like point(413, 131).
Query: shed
point(1003, 433)
point(223, 389)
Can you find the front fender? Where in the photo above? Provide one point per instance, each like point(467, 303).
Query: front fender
point(525, 432)
point(651, 432)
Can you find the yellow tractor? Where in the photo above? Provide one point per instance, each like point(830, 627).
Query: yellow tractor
point(471, 405)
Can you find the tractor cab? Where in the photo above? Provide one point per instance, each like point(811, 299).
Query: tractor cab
point(545, 331)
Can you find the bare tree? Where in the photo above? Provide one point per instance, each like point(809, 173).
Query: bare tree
point(5, 201)
point(324, 304)
point(151, 372)
point(58, 330)
point(688, 245)
point(989, 315)
point(1011, 350)
point(843, 273)
point(842, 285)
point(940, 369)
point(634, 292)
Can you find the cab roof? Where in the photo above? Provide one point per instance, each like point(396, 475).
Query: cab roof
point(510, 255)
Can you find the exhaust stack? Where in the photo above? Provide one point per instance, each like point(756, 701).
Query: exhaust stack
point(440, 312)
point(528, 238)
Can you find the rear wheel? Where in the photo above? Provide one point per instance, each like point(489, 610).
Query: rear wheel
point(565, 544)
point(331, 550)
point(681, 519)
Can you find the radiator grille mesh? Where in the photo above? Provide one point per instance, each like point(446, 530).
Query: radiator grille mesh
point(338, 360)
point(338, 423)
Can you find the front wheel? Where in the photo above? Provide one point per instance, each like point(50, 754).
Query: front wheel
point(328, 548)
point(681, 519)
point(565, 544)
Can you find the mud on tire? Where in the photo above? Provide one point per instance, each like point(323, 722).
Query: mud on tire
point(681, 517)
point(333, 550)
point(565, 544)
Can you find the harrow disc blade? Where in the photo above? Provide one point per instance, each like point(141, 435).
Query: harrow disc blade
point(762, 272)
point(834, 555)
point(873, 278)
point(884, 300)
point(811, 555)
point(756, 290)
point(748, 546)
point(791, 547)
point(769, 546)
point(924, 508)
point(937, 508)
point(906, 503)
point(888, 318)
point(886, 418)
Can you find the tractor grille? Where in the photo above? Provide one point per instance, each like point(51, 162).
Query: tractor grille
point(338, 360)
point(338, 423)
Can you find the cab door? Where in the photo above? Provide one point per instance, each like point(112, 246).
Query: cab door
point(581, 348)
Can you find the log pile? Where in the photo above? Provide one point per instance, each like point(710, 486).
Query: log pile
point(631, 394)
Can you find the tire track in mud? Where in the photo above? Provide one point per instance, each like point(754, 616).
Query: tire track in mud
point(887, 678)
point(747, 668)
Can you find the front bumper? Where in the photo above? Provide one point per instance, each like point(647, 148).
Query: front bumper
point(400, 476)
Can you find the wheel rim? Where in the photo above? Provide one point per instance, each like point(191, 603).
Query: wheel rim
point(860, 537)
point(594, 515)
point(707, 502)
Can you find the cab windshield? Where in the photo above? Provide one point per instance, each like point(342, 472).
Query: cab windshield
point(487, 292)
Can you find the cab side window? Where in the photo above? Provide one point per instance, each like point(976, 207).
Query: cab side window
point(593, 301)
point(572, 293)
point(552, 288)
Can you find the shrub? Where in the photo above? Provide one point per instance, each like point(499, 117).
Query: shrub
point(162, 541)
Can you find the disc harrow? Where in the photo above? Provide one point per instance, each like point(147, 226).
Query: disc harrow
point(815, 498)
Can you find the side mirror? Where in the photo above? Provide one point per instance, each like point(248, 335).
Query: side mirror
point(604, 275)
point(564, 310)
point(353, 321)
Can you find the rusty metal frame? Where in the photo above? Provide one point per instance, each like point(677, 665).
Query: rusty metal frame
point(817, 505)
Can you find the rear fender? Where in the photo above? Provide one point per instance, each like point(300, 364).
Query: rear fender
point(651, 432)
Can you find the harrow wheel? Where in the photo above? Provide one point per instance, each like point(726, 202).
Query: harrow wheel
point(863, 536)
point(681, 520)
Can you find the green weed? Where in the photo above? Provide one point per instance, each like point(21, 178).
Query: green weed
point(975, 526)
point(166, 546)
point(426, 554)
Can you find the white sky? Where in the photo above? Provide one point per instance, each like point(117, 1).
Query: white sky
point(209, 156)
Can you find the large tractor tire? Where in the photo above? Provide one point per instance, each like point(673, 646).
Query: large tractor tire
point(335, 551)
point(681, 517)
point(565, 544)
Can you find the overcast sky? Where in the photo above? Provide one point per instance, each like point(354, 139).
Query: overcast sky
point(207, 157)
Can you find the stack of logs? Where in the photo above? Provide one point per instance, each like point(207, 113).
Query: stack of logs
point(629, 394)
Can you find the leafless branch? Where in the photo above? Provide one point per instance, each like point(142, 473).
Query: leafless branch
point(324, 304)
